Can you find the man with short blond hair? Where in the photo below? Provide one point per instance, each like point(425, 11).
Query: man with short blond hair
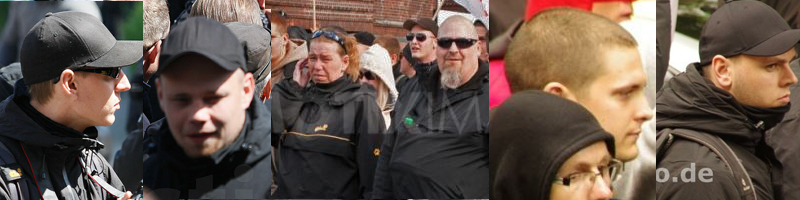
point(586, 58)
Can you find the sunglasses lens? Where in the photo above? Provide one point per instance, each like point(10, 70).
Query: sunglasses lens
point(463, 43)
point(114, 72)
point(369, 75)
point(421, 37)
point(445, 43)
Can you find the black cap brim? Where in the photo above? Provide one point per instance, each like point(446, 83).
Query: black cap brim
point(776, 45)
point(229, 66)
point(124, 53)
point(426, 24)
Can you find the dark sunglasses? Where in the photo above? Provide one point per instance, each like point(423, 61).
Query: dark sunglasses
point(461, 43)
point(420, 37)
point(330, 35)
point(369, 75)
point(112, 72)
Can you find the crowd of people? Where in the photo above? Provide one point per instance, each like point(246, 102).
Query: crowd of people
point(588, 70)
point(311, 112)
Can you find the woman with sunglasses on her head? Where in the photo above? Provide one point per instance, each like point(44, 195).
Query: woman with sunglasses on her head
point(327, 127)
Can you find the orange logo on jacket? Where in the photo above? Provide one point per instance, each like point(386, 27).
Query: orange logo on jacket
point(321, 128)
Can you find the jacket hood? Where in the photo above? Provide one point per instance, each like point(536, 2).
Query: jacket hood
point(16, 124)
point(252, 145)
point(691, 101)
point(376, 60)
point(524, 158)
point(295, 53)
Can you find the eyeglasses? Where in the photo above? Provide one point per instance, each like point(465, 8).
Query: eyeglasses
point(420, 37)
point(609, 174)
point(112, 72)
point(330, 35)
point(368, 74)
point(461, 43)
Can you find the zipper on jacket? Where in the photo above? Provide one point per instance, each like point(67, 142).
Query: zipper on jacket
point(66, 180)
point(322, 135)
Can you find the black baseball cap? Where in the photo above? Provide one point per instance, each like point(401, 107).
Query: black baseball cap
point(746, 27)
point(208, 38)
point(425, 23)
point(365, 38)
point(72, 40)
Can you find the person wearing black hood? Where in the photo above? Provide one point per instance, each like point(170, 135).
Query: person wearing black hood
point(566, 155)
point(49, 146)
point(329, 125)
point(214, 140)
point(738, 91)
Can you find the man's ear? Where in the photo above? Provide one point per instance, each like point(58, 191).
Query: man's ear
point(393, 57)
point(152, 53)
point(249, 89)
point(560, 90)
point(721, 72)
point(66, 84)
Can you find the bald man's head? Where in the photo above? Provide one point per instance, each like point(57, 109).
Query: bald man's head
point(459, 24)
point(457, 52)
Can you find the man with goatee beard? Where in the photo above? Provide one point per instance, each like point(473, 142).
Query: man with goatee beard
point(437, 146)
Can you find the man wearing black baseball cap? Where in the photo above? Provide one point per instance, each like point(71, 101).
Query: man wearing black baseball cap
point(422, 40)
point(738, 91)
point(214, 142)
point(71, 83)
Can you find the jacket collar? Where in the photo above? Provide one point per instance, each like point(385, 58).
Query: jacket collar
point(31, 127)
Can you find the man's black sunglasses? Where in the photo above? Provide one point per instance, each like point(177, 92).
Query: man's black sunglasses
point(461, 43)
point(112, 72)
point(420, 37)
point(332, 36)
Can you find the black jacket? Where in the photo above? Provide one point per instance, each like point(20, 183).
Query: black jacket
point(438, 142)
point(690, 101)
point(240, 171)
point(330, 137)
point(51, 153)
point(784, 139)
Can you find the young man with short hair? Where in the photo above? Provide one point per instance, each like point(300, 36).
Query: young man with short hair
point(72, 80)
point(738, 91)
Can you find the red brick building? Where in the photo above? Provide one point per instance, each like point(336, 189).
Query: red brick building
point(376, 16)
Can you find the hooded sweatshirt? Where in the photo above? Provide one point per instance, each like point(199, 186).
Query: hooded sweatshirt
point(242, 170)
point(532, 134)
point(285, 67)
point(376, 60)
point(691, 101)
